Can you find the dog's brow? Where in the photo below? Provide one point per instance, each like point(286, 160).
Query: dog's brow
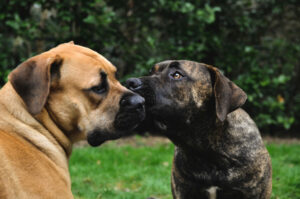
point(103, 77)
point(175, 65)
point(154, 69)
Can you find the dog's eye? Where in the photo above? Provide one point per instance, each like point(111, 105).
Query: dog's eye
point(177, 75)
point(99, 89)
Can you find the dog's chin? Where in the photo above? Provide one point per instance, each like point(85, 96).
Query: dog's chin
point(151, 124)
point(157, 119)
point(128, 121)
point(124, 125)
point(98, 137)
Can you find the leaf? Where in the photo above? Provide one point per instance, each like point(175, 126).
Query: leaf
point(90, 19)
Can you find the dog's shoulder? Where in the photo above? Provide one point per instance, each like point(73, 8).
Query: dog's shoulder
point(239, 122)
point(243, 133)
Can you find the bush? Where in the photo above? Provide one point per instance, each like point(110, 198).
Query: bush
point(254, 42)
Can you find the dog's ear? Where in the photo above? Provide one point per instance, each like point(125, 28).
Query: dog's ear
point(228, 96)
point(32, 79)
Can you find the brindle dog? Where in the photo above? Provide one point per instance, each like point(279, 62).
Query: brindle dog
point(219, 151)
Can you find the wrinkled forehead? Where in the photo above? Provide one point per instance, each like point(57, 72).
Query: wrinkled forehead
point(159, 67)
point(193, 69)
point(83, 67)
point(86, 57)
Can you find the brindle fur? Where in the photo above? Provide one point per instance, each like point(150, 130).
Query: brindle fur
point(219, 151)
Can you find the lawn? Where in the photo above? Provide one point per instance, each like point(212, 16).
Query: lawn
point(138, 172)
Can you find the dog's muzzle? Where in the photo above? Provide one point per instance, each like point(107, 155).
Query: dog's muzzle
point(134, 84)
point(130, 114)
point(142, 86)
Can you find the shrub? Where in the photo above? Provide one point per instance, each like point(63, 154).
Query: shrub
point(254, 42)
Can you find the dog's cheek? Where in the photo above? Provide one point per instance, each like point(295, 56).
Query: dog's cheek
point(84, 125)
point(197, 96)
point(63, 111)
point(102, 119)
point(180, 94)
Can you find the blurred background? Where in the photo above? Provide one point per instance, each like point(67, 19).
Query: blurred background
point(256, 43)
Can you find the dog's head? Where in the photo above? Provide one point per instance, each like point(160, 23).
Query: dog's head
point(78, 89)
point(184, 94)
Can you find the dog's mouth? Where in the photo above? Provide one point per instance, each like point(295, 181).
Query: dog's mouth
point(129, 119)
point(98, 137)
point(160, 125)
point(124, 124)
point(150, 122)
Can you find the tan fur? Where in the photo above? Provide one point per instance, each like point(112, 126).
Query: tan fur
point(35, 149)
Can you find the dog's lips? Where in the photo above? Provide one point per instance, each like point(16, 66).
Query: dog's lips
point(129, 119)
point(98, 137)
point(160, 125)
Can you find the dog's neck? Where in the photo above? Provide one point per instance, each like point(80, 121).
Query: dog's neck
point(196, 135)
point(45, 119)
point(206, 147)
point(39, 131)
point(201, 144)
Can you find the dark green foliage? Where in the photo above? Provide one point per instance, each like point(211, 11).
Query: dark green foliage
point(256, 43)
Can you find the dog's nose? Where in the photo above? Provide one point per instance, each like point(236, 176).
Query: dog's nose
point(133, 83)
point(132, 101)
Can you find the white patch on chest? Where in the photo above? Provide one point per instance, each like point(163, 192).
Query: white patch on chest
point(212, 192)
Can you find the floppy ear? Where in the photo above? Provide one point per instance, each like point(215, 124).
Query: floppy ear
point(228, 96)
point(32, 80)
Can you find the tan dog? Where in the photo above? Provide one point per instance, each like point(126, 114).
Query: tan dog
point(66, 94)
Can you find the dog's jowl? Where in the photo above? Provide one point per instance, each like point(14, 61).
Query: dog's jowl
point(219, 152)
point(52, 100)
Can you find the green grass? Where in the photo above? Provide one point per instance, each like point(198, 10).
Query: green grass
point(126, 172)
point(286, 171)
